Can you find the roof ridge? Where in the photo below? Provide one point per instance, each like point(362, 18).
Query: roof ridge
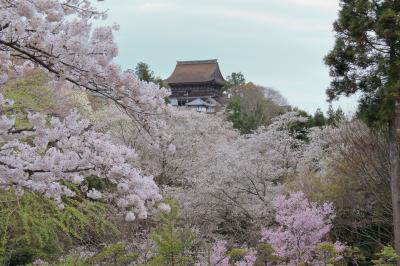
point(209, 61)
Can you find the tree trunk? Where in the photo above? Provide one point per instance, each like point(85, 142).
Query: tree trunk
point(394, 136)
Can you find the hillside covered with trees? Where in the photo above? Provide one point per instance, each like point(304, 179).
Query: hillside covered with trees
point(98, 168)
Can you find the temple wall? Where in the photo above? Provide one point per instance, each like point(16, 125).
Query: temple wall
point(193, 91)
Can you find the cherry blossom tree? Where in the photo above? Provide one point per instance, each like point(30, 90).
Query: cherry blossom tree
point(181, 149)
point(57, 36)
point(42, 158)
point(229, 181)
point(224, 182)
point(302, 227)
point(255, 169)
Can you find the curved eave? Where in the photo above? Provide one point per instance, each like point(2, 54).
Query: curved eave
point(218, 73)
point(198, 75)
point(195, 83)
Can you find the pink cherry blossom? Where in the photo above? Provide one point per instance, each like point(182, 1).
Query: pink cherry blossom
point(69, 150)
point(57, 36)
point(302, 226)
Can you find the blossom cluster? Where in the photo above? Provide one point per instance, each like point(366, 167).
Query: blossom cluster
point(242, 173)
point(42, 158)
point(58, 37)
point(302, 227)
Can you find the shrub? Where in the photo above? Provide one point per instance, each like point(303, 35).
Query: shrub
point(173, 242)
point(387, 257)
point(33, 227)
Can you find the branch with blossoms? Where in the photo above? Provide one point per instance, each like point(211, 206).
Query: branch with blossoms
point(42, 158)
point(302, 227)
point(57, 36)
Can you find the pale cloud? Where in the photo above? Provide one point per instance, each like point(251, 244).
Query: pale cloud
point(219, 9)
point(317, 4)
point(275, 20)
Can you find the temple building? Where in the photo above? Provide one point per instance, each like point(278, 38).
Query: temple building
point(196, 84)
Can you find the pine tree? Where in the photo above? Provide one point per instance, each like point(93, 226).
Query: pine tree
point(366, 59)
point(143, 72)
point(319, 118)
point(173, 241)
point(236, 79)
point(334, 117)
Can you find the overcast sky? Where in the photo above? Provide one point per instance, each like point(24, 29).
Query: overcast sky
point(276, 43)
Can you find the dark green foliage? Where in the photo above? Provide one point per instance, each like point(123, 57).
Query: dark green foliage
point(173, 240)
point(97, 183)
point(248, 109)
point(319, 119)
point(33, 227)
point(144, 73)
point(366, 56)
point(334, 117)
point(21, 256)
point(244, 122)
point(234, 79)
